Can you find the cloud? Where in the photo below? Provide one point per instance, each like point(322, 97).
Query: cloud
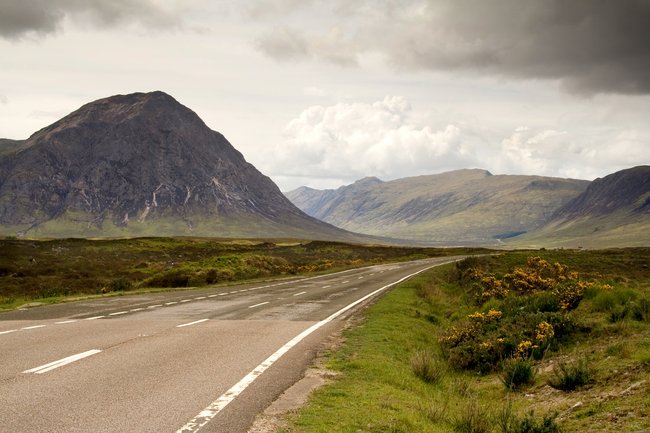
point(326, 146)
point(284, 43)
point(590, 46)
point(353, 140)
point(43, 17)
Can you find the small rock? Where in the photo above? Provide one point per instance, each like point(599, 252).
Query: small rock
point(577, 405)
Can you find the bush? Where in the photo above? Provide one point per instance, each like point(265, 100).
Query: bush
point(474, 419)
point(426, 367)
point(517, 373)
point(571, 376)
point(171, 279)
point(510, 423)
point(121, 285)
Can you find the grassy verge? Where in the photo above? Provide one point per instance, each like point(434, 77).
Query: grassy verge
point(397, 372)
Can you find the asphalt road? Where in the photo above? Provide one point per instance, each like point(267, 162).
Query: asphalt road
point(204, 360)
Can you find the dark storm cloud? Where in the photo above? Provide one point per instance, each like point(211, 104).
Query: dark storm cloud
point(20, 18)
point(590, 46)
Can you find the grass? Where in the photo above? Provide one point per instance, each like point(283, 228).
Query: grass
point(48, 271)
point(385, 364)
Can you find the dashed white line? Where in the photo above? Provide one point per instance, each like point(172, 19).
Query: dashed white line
point(136, 309)
point(360, 278)
point(185, 300)
point(95, 318)
point(32, 327)
point(222, 294)
point(235, 291)
point(61, 362)
point(200, 297)
point(212, 296)
point(171, 303)
point(207, 414)
point(8, 332)
point(118, 313)
point(155, 306)
point(326, 287)
point(65, 321)
point(257, 305)
point(301, 293)
point(192, 323)
point(345, 282)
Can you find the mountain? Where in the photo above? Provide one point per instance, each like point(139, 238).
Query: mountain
point(457, 207)
point(141, 164)
point(612, 211)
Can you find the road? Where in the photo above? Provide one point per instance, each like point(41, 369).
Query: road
point(204, 360)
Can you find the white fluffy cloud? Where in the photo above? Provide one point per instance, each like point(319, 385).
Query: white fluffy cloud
point(351, 140)
point(326, 146)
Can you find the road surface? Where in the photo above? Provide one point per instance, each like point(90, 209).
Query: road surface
point(204, 360)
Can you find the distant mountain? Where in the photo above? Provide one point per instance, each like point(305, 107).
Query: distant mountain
point(457, 207)
point(141, 164)
point(612, 211)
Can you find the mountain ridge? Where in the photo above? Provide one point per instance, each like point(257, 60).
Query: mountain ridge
point(141, 164)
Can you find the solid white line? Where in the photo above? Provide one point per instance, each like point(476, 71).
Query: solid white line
point(257, 305)
point(8, 332)
point(192, 323)
point(301, 293)
point(65, 321)
point(118, 313)
point(216, 406)
point(32, 327)
point(95, 318)
point(61, 362)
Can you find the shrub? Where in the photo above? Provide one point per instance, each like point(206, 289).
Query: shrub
point(426, 367)
point(510, 423)
point(571, 376)
point(170, 279)
point(473, 419)
point(518, 372)
point(120, 285)
point(641, 310)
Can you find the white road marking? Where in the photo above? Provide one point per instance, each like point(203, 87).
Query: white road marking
point(137, 309)
point(8, 332)
point(65, 321)
point(200, 297)
point(301, 293)
point(360, 278)
point(185, 300)
point(32, 327)
point(95, 318)
point(118, 313)
point(212, 296)
point(155, 306)
point(223, 294)
point(257, 305)
point(207, 414)
point(326, 287)
point(171, 303)
point(192, 323)
point(235, 291)
point(345, 282)
point(61, 362)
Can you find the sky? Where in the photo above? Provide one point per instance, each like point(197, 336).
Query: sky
point(323, 93)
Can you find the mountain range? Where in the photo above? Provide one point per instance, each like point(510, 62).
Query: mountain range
point(475, 207)
point(137, 165)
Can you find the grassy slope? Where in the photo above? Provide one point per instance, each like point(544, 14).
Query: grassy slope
point(377, 391)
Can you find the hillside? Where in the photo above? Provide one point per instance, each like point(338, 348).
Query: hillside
point(612, 211)
point(141, 164)
point(457, 207)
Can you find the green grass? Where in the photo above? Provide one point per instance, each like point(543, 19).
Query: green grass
point(52, 270)
point(379, 389)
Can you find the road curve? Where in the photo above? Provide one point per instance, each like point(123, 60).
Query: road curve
point(202, 360)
